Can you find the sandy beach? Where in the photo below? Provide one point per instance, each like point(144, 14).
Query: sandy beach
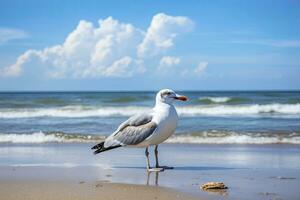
point(65, 171)
point(36, 190)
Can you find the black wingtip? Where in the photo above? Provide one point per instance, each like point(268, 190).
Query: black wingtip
point(97, 151)
point(98, 146)
point(102, 149)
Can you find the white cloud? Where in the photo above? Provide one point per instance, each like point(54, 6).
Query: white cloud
point(167, 64)
point(162, 32)
point(16, 69)
point(168, 61)
point(109, 49)
point(199, 70)
point(7, 34)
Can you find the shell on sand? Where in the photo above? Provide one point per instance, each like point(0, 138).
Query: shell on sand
point(213, 185)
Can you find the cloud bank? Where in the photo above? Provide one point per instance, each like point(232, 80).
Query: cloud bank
point(109, 49)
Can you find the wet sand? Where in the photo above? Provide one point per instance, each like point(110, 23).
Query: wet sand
point(37, 190)
point(63, 170)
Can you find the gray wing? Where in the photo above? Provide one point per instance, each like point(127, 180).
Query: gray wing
point(133, 131)
point(132, 135)
point(136, 120)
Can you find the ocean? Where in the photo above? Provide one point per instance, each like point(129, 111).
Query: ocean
point(214, 117)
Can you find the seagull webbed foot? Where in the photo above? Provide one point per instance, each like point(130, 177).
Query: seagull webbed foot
point(165, 167)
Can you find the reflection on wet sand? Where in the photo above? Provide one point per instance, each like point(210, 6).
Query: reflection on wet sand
point(149, 177)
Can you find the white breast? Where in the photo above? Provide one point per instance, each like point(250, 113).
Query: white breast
point(165, 116)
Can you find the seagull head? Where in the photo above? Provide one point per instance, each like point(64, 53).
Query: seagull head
point(168, 96)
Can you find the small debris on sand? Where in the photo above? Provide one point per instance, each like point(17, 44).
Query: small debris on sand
point(213, 186)
point(99, 185)
point(81, 182)
point(271, 195)
point(268, 194)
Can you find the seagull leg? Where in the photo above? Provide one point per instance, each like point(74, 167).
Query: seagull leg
point(147, 158)
point(149, 169)
point(156, 156)
point(156, 159)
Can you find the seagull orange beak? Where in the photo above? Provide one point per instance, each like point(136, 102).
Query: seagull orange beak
point(181, 98)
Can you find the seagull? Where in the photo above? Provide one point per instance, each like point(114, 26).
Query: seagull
point(147, 129)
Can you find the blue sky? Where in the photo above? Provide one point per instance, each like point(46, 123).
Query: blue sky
point(147, 45)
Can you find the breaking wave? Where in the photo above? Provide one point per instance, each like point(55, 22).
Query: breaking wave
point(41, 137)
point(220, 100)
point(205, 137)
point(215, 137)
point(254, 109)
point(72, 112)
point(93, 111)
point(215, 99)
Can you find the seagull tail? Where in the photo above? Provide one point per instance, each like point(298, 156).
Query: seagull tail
point(100, 147)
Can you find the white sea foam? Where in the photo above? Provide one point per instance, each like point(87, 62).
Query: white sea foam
point(29, 138)
point(41, 137)
point(254, 109)
point(197, 110)
point(72, 112)
point(233, 139)
point(214, 137)
point(216, 99)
